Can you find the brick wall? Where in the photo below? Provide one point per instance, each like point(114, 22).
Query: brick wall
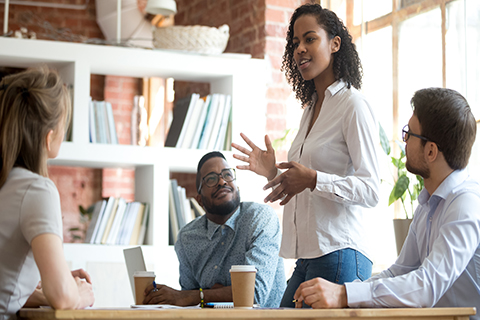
point(53, 23)
point(77, 187)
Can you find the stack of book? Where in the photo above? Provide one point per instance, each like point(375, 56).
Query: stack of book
point(114, 221)
point(201, 123)
point(101, 123)
point(182, 210)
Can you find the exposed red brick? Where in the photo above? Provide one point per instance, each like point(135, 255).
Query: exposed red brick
point(276, 109)
point(274, 30)
point(275, 15)
point(278, 93)
point(277, 123)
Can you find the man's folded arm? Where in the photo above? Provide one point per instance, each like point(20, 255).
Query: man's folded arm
point(450, 254)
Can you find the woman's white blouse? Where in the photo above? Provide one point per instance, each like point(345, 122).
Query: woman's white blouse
point(341, 147)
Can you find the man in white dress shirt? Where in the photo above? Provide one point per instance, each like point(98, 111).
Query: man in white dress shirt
point(439, 265)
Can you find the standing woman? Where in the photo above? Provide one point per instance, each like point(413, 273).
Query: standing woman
point(34, 107)
point(332, 170)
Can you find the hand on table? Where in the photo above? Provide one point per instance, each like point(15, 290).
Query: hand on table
point(321, 294)
point(82, 274)
point(167, 295)
point(294, 180)
point(260, 161)
point(85, 291)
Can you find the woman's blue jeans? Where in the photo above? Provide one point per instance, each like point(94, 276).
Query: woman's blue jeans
point(339, 266)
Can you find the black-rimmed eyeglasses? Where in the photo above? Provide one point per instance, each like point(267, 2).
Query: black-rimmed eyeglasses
point(406, 135)
point(211, 179)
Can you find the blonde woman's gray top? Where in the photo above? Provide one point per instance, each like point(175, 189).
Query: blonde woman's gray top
point(30, 206)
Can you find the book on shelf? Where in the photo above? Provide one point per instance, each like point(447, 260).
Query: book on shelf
point(97, 108)
point(143, 227)
point(103, 220)
point(172, 216)
point(102, 123)
point(177, 204)
point(201, 122)
point(222, 132)
point(114, 221)
point(111, 124)
point(187, 122)
point(193, 124)
point(228, 136)
point(124, 225)
point(137, 224)
point(179, 115)
point(111, 217)
point(132, 216)
point(197, 209)
point(93, 226)
point(217, 122)
point(115, 229)
point(209, 121)
point(181, 212)
point(91, 122)
point(184, 205)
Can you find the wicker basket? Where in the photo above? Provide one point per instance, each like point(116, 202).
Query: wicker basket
point(200, 39)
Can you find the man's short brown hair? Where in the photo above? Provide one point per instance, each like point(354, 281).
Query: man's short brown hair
point(446, 119)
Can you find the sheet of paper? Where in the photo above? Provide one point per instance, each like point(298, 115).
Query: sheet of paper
point(161, 306)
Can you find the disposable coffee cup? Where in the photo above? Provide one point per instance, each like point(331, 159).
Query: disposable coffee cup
point(142, 280)
point(243, 285)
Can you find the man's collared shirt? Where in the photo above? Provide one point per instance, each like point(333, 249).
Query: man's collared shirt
point(439, 264)
point(251, 236)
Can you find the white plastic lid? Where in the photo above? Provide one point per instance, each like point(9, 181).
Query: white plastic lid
point(144, 274)
point(243, 268)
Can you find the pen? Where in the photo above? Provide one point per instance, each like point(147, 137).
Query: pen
point(154, 286)
point(295, 301)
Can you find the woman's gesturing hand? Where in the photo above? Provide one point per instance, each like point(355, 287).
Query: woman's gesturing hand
point(294, 180)
point(260, 161)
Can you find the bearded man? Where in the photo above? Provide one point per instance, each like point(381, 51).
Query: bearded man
point(439, 262)
point(230, 233)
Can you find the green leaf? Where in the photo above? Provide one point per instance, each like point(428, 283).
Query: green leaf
point(398, 163)
point(391, 198)
point(399, 189)
point(384, 142)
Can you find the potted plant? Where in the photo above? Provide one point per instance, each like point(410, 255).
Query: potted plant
point(406, 188)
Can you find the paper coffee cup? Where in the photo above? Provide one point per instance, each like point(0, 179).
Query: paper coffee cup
point(142, 280)
point(243, 285)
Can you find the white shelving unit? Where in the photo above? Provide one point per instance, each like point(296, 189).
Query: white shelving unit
point(235, 74)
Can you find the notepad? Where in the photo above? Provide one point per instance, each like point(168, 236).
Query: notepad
point(223, 305)
point(219, 305)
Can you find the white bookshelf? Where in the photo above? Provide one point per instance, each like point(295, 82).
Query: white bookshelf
point(235, 74)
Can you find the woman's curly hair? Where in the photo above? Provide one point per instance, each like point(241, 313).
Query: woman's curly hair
point(346, 62)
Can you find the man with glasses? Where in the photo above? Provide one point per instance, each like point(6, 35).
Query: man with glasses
point(230, 233)
point(439, 265)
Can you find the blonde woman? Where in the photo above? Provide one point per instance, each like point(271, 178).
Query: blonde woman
point(34, 107)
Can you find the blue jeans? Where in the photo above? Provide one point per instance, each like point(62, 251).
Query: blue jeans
point(339, 266)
